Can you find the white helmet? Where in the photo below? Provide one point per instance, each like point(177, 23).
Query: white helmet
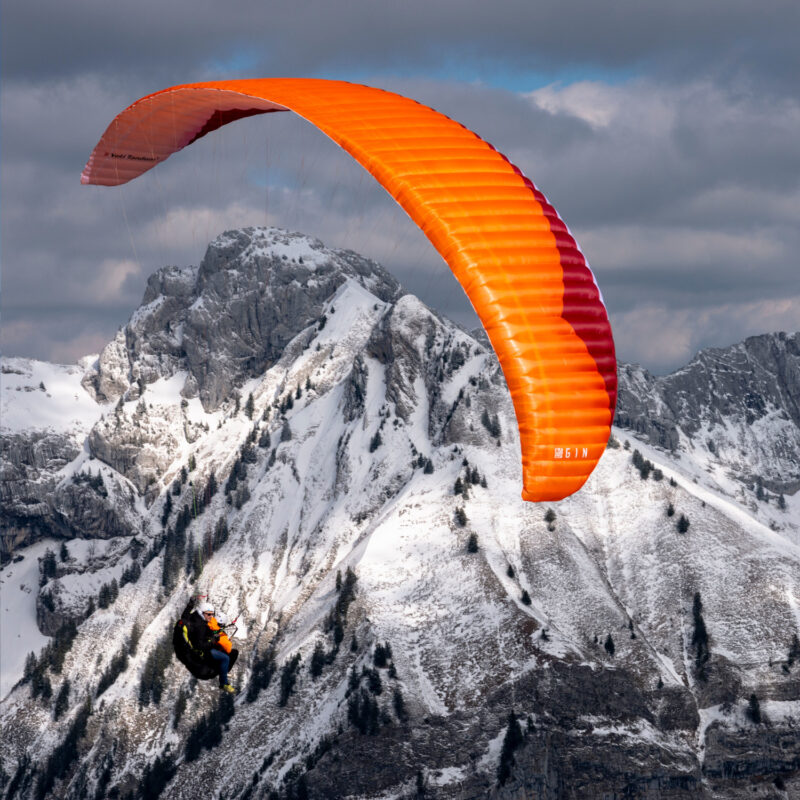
point(203, 607)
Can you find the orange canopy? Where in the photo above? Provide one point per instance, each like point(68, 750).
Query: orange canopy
point(522, 270)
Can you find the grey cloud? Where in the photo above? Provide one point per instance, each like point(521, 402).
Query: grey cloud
point(724, 36)
point(676, 166)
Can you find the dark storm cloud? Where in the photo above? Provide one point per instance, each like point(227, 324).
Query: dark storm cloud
point(720, 35)
point(666, 139)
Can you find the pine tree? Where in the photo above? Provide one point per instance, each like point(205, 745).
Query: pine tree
point(609, 645)
point(683, 524)
point(190, 554)
point(338, 631)
point(754, 710)
point(379, 657)
point(472, 543)
point(30, 666)
point(794, 650)
point(197, 564)
point(644, 466)
point(47, 567)
point(525, 597)
point(250, 406)
point(136, 635)
point(151, 684)
point(399, 705)
point(117, 666)
point(211, 486)
point(263, 670)
point(317, 661)
point(180, 707)
point(700, 637)
point(167, 510)
point(512, 740)
point(233, 479)
point(491, 423)
point(171, 563)
point(61, 645)
point(104, 597)
point(288, 679)
point(461, 517)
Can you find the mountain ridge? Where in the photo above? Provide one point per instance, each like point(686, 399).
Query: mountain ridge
point(361, 430)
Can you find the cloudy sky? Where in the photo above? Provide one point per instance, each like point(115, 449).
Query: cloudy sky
point(666, 135)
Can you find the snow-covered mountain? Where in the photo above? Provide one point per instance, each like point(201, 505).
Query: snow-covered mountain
point(737, 411)
point(286, 431)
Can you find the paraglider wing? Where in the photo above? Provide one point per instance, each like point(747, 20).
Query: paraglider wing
point(522, 270)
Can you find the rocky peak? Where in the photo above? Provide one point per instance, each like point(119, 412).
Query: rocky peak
point(230, 319)
point(727, 402)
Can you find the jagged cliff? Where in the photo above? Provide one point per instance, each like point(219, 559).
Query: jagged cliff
point(338, 467)
point(739, 407)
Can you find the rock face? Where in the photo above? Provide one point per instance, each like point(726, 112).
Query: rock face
point(28, 464)
point(42, 440)
point(741, 405)
point(38, 502)
point(337, 467)
point(230, 319)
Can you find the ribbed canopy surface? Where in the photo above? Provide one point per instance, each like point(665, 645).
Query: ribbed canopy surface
point(514, 257)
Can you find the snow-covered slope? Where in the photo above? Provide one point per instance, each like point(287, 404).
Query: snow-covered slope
point(357, 452)
point(736, 411)
point(37, 396)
